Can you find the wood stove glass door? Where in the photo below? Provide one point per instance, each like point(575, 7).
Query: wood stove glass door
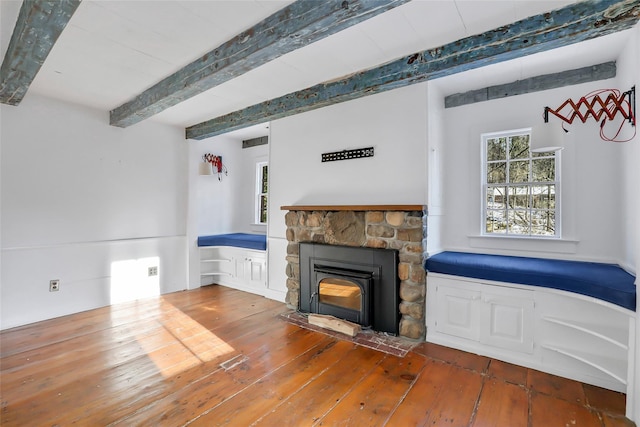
point(343, 295)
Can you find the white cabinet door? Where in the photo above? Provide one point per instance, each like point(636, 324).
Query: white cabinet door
point(507, 319)
point(457, 311)
point(255, 272)
point(251, 269)
point(496, 316)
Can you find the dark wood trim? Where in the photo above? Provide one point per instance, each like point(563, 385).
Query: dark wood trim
point(353, 208)
point(255, 142)
point(295, 26)
point(574, 23)
point(39, 24)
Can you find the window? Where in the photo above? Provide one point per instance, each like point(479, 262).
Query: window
point(520, 188)
point(262, 188)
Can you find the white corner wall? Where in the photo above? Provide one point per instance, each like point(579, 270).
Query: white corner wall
point(629, 75)
point(590, 173)
point(435, 169)
point(89, 204)
point(224, 205)
point(393, 122)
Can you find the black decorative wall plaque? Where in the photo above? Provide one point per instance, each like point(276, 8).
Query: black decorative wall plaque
point(358, 153)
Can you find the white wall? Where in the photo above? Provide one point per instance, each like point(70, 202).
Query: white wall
point(628, 76)
point(224, 205)
point(244, 218)
point(590, 173)
point(435, 170)
point(80, 201)
point(394, 123)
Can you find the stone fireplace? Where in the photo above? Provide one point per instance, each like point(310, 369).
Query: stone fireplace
point(401, 228)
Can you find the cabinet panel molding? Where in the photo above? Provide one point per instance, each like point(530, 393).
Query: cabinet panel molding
point(554, 331)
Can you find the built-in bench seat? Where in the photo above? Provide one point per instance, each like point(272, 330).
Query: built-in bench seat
point(568, 318)
point(238, 240)
point(237, 260)
point(607, 282)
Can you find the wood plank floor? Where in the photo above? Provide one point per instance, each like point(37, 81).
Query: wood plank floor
point(217, 356)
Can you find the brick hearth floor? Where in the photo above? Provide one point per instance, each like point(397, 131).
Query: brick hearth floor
point(367, 338)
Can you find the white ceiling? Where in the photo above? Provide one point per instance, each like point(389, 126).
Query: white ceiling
point(112, 50)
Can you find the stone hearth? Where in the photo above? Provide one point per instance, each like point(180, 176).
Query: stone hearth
point(401, 227)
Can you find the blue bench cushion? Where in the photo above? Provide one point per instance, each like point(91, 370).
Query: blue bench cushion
point(607, 282)
point(239, 240)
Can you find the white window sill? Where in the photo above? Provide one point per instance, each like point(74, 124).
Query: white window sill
point(535, 244)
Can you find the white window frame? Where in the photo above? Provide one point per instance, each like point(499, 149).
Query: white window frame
point(259, 193)
point(484, 185)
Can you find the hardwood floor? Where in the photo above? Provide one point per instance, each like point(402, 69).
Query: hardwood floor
point(217, 356)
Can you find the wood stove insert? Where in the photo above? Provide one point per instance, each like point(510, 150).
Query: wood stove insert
point(358, 284)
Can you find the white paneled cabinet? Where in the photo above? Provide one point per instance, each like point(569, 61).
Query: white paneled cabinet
point(240, 268)
point(251, 269)
point(563, 333)
point(493, 316)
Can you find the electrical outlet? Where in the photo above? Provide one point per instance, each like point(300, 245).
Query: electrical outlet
point(153, 271)
point(54, 285)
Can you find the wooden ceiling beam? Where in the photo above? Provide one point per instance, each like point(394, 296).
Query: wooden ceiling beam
point(576, 76)
point(572, 24)
point(297, 25)
point(39, 24)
